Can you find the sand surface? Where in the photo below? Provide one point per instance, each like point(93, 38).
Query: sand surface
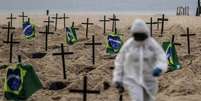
point(180, 85)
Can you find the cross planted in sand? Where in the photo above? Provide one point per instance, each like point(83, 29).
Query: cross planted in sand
point(151, 23)
point(11, 19)
point(56, 20)
point(93, 44)
point(11, 42)
point(64, 18)
point(73, 26)
point(9, 28)
point(163, 19)
point(23, 17)
point(84, 91)
point(63, 58)
point(173, 41)
point(114, 20)
point(47, 32)
point(87, 27)
point(48, 22)
point(188, 39)
point(104, 24)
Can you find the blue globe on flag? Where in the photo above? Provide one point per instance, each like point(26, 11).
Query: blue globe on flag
point(28, 30)
point(114, 42)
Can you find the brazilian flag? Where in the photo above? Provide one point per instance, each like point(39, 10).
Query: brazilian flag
point(21, 82)
point(71, 36)
point(171, 55)
point(114, 43)
point(29, 30)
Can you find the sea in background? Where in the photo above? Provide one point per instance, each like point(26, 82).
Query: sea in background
point(136, 7)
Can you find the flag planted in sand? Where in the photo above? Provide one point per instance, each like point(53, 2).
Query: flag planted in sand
point(114, 43)
point(21, 82)
point(171, 55)
point(29, 30)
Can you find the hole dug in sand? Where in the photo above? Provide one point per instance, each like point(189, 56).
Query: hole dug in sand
point(57, 85)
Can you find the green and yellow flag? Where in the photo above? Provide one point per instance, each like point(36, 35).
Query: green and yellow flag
point(21, 82)
point(71, 35)
point(171, 55)
point(29, 30)
point(113, 43)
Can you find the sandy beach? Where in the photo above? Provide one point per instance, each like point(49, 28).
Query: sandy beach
point(180, 85)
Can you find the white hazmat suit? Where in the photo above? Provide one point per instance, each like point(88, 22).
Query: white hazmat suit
point(135, 63)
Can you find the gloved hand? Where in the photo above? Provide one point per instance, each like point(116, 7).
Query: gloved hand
point(119, 86)
point(157, 72)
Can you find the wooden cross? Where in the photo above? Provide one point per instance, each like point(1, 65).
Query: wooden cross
point(64, 18)
point(93, 44)
point(9, 28)
point(173, 41)
point(151, 25)
point(84, 91)
point(114, 22)
point(63, 53)
point(56, 19)
point(48, 22)
point(11, 19)
point(188, 39)
point(47, 32)
point(87, 27)
point(11, 42)
point(23, 17)
point(104, 24)
point(163, 19)
point(73, 26)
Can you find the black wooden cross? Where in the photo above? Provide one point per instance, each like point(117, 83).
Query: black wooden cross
point(64, 18)
point(11, 19)
point(93, 44)
point(11, 42)
point(56, 20)
point(47, 32)
point(114, 22)
point(85, 91)
point(63, 53)
point(173, 41)
point(188, 39)
point(23, 17)
point(73, 26)
point(104, 24)
point(87, 27)
point(48, 22)
point(9, 28)
point(163, 19)
point(151, 25)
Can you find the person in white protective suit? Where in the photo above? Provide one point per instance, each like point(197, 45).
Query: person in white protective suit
point(139, 61)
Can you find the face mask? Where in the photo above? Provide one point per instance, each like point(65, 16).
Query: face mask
point(140, 36)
